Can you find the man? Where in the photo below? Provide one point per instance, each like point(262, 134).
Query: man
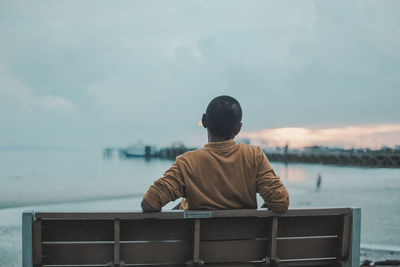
point(318, 185)
point(223, 174)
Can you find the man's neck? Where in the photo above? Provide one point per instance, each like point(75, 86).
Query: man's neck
point(212, 138)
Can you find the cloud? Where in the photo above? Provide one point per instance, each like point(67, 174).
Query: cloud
point(14, 92)
point(362, 136)
point(152, 66)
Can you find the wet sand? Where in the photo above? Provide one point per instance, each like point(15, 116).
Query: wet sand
point(378, 255)
point(82, 185)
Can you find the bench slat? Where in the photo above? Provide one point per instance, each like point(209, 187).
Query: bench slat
point(233, 250)
point(307, 248)
point(180, 214)
point(301, 226)
point(153, 230)
point(322, 263)
point(74, 265)
point(234, 228)
point(156, 252)
point(78, 230)
point(77, 253)
point(236, 264)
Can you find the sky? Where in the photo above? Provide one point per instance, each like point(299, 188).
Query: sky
point(89, 74)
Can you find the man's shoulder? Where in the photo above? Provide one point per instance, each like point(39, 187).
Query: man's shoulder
point(251, 148)
point(191, 158)
point(192, 153)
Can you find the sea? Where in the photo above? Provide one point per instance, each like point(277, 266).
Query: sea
point(84, 180)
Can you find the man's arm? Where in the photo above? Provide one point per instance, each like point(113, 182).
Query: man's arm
point(270, 187)
point(146, 207)
point(166, 189)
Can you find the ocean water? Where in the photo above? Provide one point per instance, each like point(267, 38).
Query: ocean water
point(85, 181)
point(48, 177)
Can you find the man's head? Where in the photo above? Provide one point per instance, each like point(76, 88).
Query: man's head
point(223, 117)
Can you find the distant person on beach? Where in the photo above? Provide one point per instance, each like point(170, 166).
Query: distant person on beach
point(318, 185)
point(221, 175)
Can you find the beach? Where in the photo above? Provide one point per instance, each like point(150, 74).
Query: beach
point(118, 185)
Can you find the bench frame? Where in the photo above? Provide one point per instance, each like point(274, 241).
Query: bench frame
point(349, 237)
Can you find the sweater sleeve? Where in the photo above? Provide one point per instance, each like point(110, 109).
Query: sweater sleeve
point(270, 187)
point(166, 189)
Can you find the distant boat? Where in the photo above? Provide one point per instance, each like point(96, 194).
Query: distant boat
point(137, 150)
point(132, 153)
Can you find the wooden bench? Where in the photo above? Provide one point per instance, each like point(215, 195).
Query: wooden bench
point(302, 237)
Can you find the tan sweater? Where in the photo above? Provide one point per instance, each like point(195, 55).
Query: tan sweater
point(222, 175)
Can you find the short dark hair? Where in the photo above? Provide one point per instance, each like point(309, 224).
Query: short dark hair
point(223, 114)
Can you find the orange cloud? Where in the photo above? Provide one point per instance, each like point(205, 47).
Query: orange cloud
point(371, 136)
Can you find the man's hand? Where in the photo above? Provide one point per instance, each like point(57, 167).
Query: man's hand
point(276, 210)
point(146, 206)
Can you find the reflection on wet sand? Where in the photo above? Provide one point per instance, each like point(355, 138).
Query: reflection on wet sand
point(291, 173)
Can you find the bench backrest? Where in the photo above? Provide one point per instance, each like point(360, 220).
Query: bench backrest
point(318, 237)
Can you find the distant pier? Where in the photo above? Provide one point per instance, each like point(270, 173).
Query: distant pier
point(377, 159)
point(148, 152)
point(383, 158)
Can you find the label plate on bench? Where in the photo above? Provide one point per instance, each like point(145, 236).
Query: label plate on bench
point(197, 214)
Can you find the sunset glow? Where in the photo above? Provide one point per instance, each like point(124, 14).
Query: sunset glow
point(355, 136)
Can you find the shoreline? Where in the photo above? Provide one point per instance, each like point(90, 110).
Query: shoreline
point(71, 201)
point(383, 248)
point(378, 255)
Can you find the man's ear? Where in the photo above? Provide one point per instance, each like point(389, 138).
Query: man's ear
point(204, 120)
point(237, 128)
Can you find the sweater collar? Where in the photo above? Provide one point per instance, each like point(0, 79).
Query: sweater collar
point(221, 145)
